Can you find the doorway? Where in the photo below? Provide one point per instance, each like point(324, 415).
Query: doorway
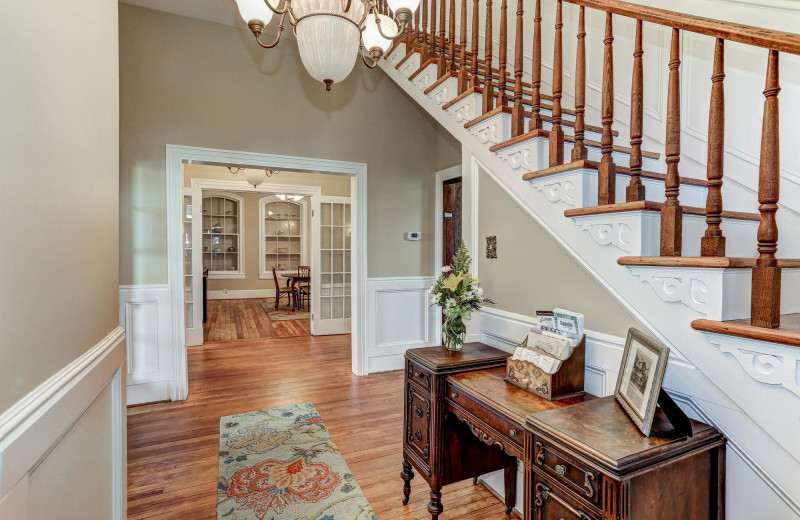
point(451, 219)
point(345, 270)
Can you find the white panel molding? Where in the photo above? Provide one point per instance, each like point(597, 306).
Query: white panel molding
point(400, 317)
point(144, 312)
point(35, 424)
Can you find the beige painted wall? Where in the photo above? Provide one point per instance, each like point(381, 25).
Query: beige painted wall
point(334, 185)
point(59, 135)
point(532, 272)
point(190, 82)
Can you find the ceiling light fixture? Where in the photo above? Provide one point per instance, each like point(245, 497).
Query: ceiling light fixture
point(330, 33)
point(254, 177)
point(283, 196)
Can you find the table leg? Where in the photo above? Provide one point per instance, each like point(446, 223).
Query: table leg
point(435, 505)
point(407, 474)
point(510, 478)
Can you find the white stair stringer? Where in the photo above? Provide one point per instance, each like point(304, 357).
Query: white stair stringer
point(750, 404)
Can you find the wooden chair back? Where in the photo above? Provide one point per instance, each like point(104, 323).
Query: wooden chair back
point(304, 270)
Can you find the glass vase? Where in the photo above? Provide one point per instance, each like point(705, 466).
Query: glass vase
point(453, 332)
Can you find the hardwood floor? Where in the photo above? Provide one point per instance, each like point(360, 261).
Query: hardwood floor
point(173, 447)
point(246, 319)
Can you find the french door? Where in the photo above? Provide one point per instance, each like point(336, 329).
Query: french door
point(192, 265)
point(331, 276)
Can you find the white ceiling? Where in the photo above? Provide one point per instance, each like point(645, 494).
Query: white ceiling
point(220, 11)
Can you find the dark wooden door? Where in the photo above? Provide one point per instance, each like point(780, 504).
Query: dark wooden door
point(451, 219)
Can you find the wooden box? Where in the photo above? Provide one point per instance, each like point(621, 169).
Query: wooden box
point(567, 382)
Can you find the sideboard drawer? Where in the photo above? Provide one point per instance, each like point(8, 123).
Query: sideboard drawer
point(566, 470)
point(510, 432)
point(419, 423)
point(552, 504)
point(419, 375)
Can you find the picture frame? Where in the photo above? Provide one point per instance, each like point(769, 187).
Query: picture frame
point(644, 362)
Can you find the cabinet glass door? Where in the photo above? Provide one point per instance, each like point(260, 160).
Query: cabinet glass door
point(332, 297)
point(192, 267)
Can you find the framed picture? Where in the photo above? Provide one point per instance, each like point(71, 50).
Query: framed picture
point(644, 362)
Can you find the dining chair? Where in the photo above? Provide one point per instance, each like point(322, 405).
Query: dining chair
point(304, 287)
point(280, 291)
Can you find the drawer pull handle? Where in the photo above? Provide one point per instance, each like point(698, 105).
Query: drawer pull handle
point(418, 435)
point(513, 433)
point(454, 395)
point(418, 411)
point(561, 469)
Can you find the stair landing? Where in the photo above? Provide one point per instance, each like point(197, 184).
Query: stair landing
point(787, 334)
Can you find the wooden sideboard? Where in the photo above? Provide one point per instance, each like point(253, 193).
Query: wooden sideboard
point(583, 458)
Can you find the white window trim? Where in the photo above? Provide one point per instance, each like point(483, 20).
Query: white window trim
point(263, 274)
point(240, 267)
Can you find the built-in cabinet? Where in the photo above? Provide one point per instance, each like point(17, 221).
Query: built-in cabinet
point(223, 236)
point(283, 235)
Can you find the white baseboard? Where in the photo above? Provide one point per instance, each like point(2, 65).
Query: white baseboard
point(33, 428)
point(241, 294)
point(399, 317)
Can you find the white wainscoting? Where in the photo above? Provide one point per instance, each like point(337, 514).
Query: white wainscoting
point(63, 446)
point(752, 491)
point(144, 312)
point(399, 317)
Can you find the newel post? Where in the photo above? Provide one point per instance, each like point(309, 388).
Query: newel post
point(765, 310)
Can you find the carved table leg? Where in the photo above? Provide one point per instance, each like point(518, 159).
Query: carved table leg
point(435, 505)
point(407, 474)
point(475, 480)
point(510, 475)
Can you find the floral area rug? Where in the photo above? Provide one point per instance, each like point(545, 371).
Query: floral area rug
point(282, 464)
point(284, 313)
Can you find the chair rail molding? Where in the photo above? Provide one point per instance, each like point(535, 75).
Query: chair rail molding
point(31, 430)
point(176, 156)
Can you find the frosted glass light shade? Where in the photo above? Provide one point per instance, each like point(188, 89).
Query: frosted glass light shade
point(395, 5)
point(328, 47)
point(255, 177)
point(254, 10)
point(372, 36)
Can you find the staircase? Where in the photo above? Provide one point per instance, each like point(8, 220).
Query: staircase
point(708, 281)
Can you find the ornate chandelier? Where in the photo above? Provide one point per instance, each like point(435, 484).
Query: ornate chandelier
point(331, 33)
point(254, 177)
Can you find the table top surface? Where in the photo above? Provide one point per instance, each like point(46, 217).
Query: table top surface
point(517, 403)
point(292, 275)
point(470, 353)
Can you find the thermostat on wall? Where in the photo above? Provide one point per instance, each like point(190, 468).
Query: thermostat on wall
point(413, 235)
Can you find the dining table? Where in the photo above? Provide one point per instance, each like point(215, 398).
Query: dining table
point(291, 281)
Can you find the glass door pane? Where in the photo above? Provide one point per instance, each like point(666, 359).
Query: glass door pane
point(334, 266)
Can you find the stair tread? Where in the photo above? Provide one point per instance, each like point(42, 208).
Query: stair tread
point(487, 115)
point(405, 58)
point(431, 61)
point(649, 205)
point(469, 91)
point(520, 138)
point(787, 334)
point(585, 163)
point(725, 262)
point(439, 81)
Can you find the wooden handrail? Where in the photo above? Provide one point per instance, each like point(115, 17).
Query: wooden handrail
point(730, 31)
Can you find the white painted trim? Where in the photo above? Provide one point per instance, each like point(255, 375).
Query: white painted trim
point(238, 294)
point(177, 155)
point(35, 424)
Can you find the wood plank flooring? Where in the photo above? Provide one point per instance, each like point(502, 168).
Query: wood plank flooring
point(173, 447)
point(246, 319)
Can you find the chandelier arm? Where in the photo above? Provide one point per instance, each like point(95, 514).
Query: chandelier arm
point(346, 5)
point(401, 29)
point(372, 62)
point(277, 38)
point(277, 10)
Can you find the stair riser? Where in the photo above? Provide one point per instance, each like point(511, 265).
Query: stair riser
point(529, 155)
point(426, 77)
point(410, 66)
point(444, 92)
point(492, 130)
point(466, 109)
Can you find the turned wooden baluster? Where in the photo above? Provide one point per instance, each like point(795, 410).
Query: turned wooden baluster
point(451, 66)
point(425, 52)
point(463, 72)
point(579, 151)
point(434, 40)
point(672, 213)
point(488, 84)
point(475, 80)
point(607, 171)
point(416, 29)
point(518, 112)
point(765, 309)
point(635, 190)
point(502, 100)
point(536, 74)
point(713, 243)
point(442, 63)
point(556, 132)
